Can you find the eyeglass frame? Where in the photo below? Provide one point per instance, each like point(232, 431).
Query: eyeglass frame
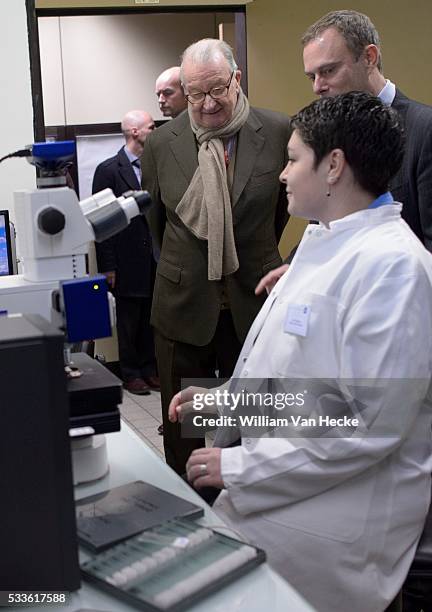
point(208, 93)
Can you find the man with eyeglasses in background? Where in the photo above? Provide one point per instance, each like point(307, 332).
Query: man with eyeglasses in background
point(218, 215)
point(169, 92)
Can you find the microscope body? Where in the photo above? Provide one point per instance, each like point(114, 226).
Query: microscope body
point(54, 231)
point(46, 258)
point(53, 234)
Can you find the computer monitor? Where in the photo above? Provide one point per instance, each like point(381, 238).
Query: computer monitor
point(6, 251)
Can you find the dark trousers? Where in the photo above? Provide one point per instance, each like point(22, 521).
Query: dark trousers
point(135, 337)
point(417, 594)
point(177, 360)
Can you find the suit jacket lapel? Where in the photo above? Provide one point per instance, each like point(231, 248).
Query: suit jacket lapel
point(400, 103)
point(127, 172)
point(184, 148)
point(249, 144)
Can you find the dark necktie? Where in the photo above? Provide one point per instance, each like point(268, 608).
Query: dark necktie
point(137, 164)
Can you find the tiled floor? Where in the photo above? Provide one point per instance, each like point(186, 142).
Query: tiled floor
point(143, 414)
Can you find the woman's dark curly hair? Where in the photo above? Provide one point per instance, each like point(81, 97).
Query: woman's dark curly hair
point(368, 132)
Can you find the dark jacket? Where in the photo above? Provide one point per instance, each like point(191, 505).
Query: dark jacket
point(130, 252)
point(186, 305)
point(413, 184)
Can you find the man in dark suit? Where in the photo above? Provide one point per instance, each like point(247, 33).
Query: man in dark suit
point(341, 53)
point(128, 263)
point(218, 214)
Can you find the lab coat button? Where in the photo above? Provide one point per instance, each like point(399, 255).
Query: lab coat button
point(245, 373)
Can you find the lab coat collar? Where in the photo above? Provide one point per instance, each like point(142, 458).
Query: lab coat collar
point(361, 218)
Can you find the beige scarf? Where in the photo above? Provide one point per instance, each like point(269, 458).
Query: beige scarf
point(205, 207)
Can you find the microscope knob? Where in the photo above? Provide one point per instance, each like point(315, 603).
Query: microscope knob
point(51, 221)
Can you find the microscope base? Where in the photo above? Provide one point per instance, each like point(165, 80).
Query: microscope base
point(89, 459)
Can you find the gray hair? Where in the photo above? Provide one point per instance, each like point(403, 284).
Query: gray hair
point(356, 28)
point(206, 50)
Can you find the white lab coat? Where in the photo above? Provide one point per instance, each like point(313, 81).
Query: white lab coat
point(340, 518)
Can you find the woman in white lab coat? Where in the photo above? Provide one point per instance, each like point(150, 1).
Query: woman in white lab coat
point(339, 512)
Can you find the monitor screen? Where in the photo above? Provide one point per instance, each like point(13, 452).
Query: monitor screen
point(6, 266)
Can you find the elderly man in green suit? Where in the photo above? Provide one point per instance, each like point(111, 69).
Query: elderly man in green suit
point(218, 214)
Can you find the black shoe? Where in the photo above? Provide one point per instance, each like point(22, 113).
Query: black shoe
point(137, 386)
point(153, 382)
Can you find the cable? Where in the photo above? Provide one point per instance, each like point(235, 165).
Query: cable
point(20, 153)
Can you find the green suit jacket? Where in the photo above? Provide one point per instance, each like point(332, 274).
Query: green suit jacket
point(186, 305)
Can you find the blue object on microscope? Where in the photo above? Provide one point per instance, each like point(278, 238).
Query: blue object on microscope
point(86, 308)
point(52, 156)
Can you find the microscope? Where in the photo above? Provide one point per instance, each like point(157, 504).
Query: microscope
point(54, 231)
point(179, 561)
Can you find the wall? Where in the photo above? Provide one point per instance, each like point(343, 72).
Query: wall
point(16, 110)
point(95, 68)
point(49, 4)
point(275, 68)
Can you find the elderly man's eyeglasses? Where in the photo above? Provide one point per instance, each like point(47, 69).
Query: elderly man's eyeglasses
point(215, 92)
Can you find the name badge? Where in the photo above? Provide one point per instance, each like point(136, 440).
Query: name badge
point(297, 319)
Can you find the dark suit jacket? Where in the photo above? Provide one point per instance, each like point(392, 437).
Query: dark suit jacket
point(186, 305)
point(130, 252)
point(413, 184)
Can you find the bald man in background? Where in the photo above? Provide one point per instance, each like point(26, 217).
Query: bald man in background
point(172, 102)
point(127, 260)
point(169, 92)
